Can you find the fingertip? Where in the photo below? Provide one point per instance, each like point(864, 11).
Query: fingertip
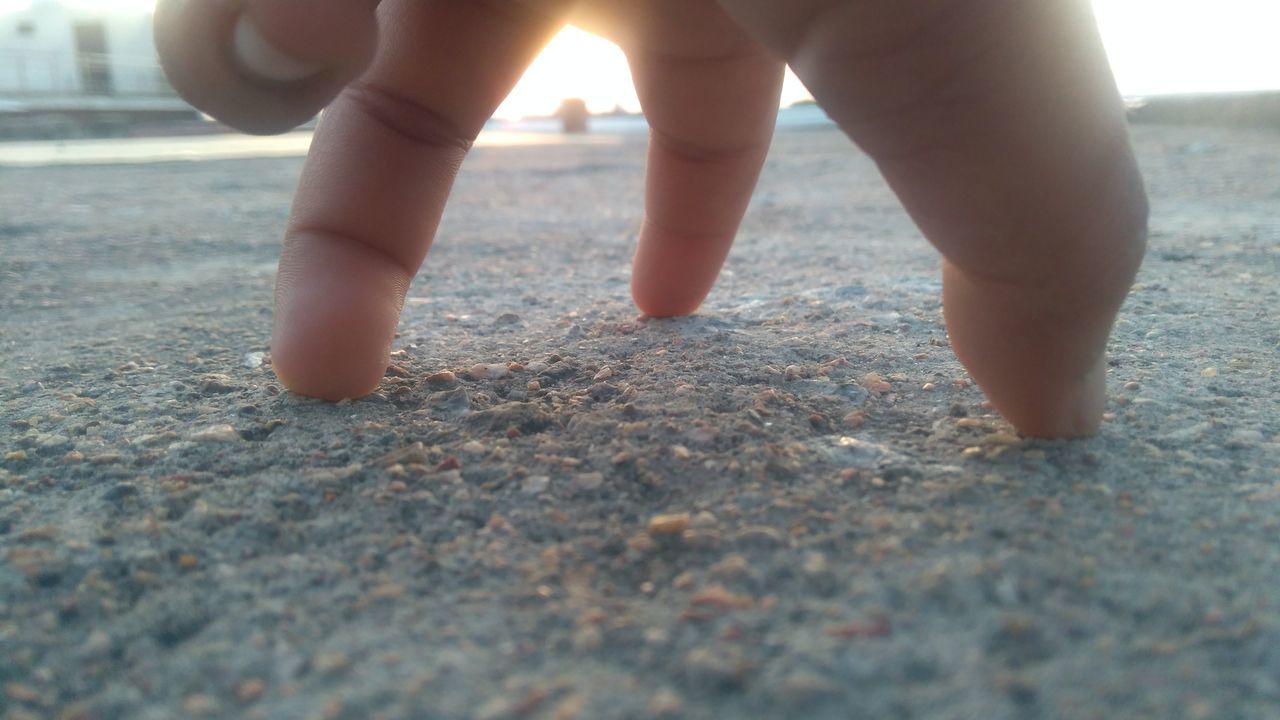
point(335, 319)
point(662, 305)
point(313, 367)
point(1073, 410)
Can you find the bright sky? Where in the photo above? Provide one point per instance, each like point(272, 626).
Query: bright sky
point(1155, 46)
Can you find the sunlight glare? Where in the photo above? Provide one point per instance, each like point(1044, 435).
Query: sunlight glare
point(1167, 46)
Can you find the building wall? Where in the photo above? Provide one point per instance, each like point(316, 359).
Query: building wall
point(38, 53)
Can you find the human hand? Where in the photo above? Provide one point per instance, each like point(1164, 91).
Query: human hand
point(997, 123)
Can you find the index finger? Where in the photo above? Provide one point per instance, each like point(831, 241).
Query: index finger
point(375, 183)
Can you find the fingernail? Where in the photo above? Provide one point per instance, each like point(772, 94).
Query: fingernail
point(265, 60)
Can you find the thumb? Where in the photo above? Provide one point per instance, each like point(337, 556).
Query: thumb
point(264, 66)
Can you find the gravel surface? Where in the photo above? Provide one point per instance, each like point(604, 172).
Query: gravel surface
point(792, 504)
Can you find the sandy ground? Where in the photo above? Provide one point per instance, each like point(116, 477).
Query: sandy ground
point(180, 537)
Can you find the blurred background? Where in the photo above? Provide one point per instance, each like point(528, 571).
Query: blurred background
point(88, 69)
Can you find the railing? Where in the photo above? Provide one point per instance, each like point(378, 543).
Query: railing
point(51, 72)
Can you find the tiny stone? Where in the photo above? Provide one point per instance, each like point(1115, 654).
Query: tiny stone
point(1132, 385)
point(718, 596)
point(187, 561)
point(671, 524)
point(535, 484)
point(74, 456)
point(703, 520)
point(605, 373)
point(587, 638)
point(928, 387)
point(875, 383)
point(484, 371)
point(217, 433)
point(731, 567)
point(641, 543)
point(806, 688)
point(216, 385)
point(329, 663)
point(702, 539)
point(855, 419)
point(254, 359)
point(588, 480)
point(680, 452)
point(21, 693)
point(665, 704)
point(441, 379)
point(814, 563)
point(16, 456)
point(198, 705)
point(1209, 372)
point(759, 536)
point(473, 447)
point(250, 690)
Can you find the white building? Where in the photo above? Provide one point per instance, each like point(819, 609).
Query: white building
point(50, 49)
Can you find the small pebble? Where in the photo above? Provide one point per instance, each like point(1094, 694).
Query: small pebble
point(671, 524)
point(199, 705)
point(605, 373)
point(16, 456)
point(717, 596)
point(21, 693)
point(535, 484)
point(804, 688)
point(329, 663)
point(444, 378)
point(1209, 372)
point(250, 690)
point(703, 520)
point(855, 419)
point(665, 704)
point(588, 480)
point(484, 371)
point(875, 383)
point(216, 433)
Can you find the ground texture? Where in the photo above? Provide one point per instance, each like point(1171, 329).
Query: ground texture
point(792, 504)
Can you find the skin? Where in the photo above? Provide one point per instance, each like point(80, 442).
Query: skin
point(996, 122)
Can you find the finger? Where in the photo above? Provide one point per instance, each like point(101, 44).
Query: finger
point(263, 66)
point(998, 124)
point(375, 183)
point(711, 103)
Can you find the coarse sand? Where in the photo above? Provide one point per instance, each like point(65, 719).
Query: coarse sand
point(792, 504)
